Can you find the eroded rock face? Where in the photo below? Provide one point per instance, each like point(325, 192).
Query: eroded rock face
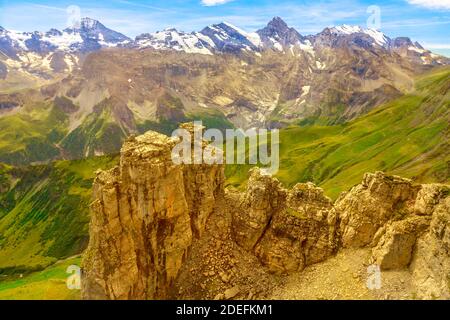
point(431, 263)
point(254, 209)
point(403, 222)
point(395, 247)
point(144, 217)
point(369, 205)
point(148, 211)
point(288, 229)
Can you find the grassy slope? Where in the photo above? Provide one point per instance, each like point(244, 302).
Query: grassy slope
point(38, 133)
point(209, 118)
point(408, 137)
point(44, 216)
point(49, 284)
point(98, 131)
point(31, 135)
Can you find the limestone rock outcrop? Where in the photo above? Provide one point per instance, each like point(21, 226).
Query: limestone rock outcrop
point(288, 229)
point(431, 262)
point(144, 217)
point(255, 208)
point(148, 213)
point(407, 225)
point(394, 249)
point(369, 205)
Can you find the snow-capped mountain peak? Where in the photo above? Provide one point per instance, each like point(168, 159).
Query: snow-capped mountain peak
point(253, 37)
point(278, 35)
point(229, 38)
point(88, 23)
point(89, 35)
point(377, 36)
point(96, 35)
point(346, 29)
point(172, 39)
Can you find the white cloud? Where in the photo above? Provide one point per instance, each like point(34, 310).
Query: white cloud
point(432, 4)
point(210, 3)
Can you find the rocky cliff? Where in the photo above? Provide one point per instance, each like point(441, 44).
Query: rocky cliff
point(144, 217)
point(287, 229)
point(161, 230)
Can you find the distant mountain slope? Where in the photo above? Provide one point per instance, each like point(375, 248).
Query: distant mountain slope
point(89, 35)
point(408, 137)
point(29, 57)
point(44, 213)
point(122, 92)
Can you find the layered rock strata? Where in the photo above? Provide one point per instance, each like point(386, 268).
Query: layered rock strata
point(144, 217)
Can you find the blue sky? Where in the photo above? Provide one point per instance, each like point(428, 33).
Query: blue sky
point(427, 21)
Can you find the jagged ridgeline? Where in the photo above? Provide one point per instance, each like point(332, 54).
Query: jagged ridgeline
point(161, 230)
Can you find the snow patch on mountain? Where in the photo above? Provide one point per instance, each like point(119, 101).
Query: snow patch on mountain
point(376, 35)
point(252, 37)
point(171, 39)
point(346, 29)
point(65, 41)
point(305, 90)
point(307, 46)
point(320, 65)
point(18, 38)
point(418, 50)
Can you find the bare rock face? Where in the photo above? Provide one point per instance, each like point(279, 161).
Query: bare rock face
point(144, 217)
point(431, 262)
point(264, 197)
point(288, 229)
point(303, 234)
point(428, 198)
point(395, 247)
point(403, 222)
point(369, 205)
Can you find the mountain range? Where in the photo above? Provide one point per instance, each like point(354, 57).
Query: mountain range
point(80, 92)
point(58, 50)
